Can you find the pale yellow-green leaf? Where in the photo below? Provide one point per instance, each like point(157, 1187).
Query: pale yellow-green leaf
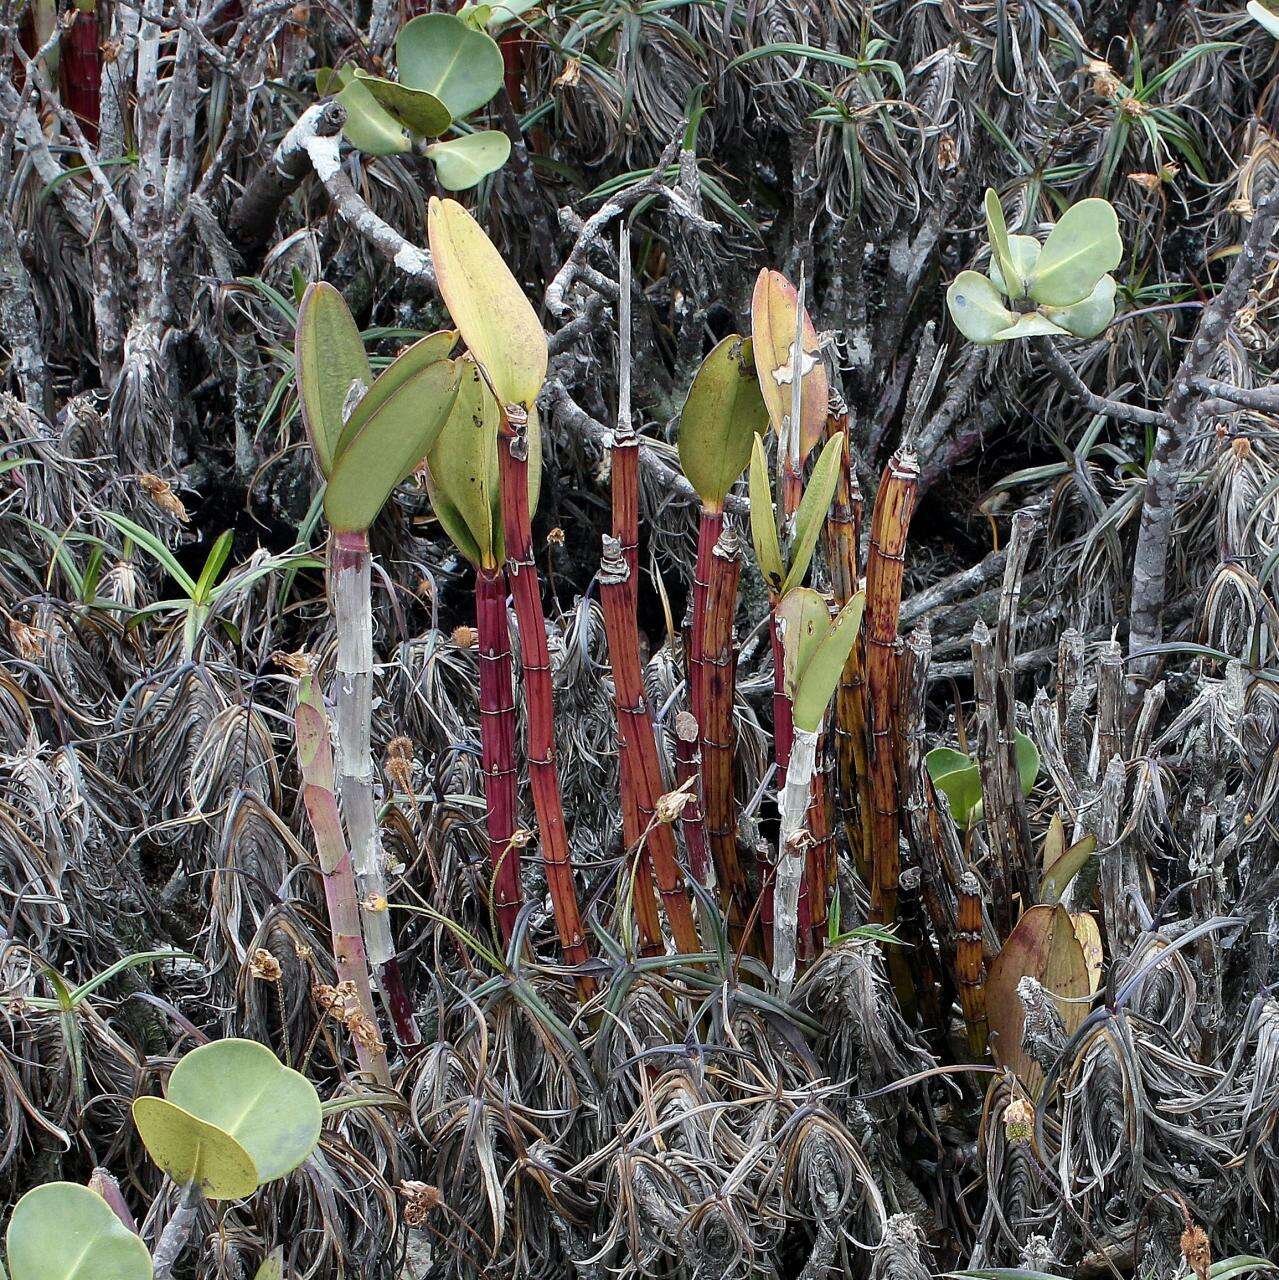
point(1064, 868)
point(774, 308)
point(462, 163)
point(1001, 247)
point(496, 320)
point(369, 126)
point(242, 1087)
point(328, 357)
point(1024, 251)
point(189, 1149)
point(1029, 325)
point(813, 507)
point(1090, 317)
point(63, 1231)
point(272, 1266)
point(803, 617)
point(817, 682)
point(391, 441)
point(976, 307)
point(723, 413)
point(1081, 248)
point(1089, 937)
point(462, 471)
point(419, 111)
point(392, 381)
point(768, 552)
point(443, 55)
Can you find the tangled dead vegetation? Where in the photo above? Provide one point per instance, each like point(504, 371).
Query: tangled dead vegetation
point(1025, 1015)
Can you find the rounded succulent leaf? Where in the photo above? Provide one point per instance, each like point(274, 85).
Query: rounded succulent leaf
point(722, 414)
point(242, 1087)
point(977, 309)
point(63, 1231)
point(419, 111)
point(369, 126)
point(1024, 253)
point(496, 320)
point(461, 163)
point(443, 55)
point(1001, 246)
point(1090, 317)
point(1030, 325)
point(1080, 249)
point(803, 617)
point(189, 1149)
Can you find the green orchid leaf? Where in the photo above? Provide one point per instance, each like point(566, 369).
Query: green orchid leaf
point(816, 684)
point(462, 471)
point(1064, 869)
point(389, 441)
point(189, 1149)
point(813, 507)
point(242, 1088)
point(272, 1266)
point(446, 57)
point(419, 111)
point(1027, 756)
point(1090, 317)
point(1081, 248)
point(464, 162)
point(63, 1231)
point(977, 309)
point(496, 320)
point(329, 358)
point(1024, 252)
point(722, 415)
point(392, 383)
point(1014, 286)
point(369, 126)
point(943, 760)
point(502, 13)
point(476, 15)
point(962, 787)
point(1030, 325)
point(768, 551)
point(774, 307)
point(803, 617)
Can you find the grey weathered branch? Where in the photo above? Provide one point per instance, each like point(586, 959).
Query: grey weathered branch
point(1266, 399)
point(325, 156)
point(253, 215)
point(1071, 382)
point(1150, 561)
